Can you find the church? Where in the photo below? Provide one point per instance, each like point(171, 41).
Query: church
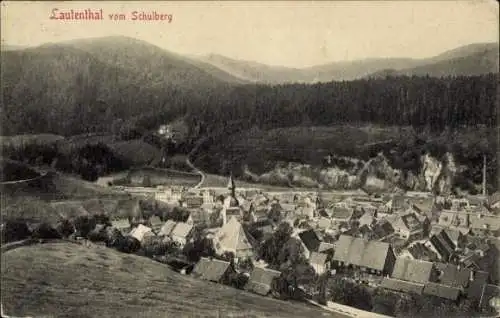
point(232, 237)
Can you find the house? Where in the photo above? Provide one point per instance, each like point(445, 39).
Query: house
point(310, 241)
point(494, 201)
point(456, 237)
point(477, 283)
point(453, 275)
point(368, 218)
point(460, 204)
point(408, 226)
point(442, 245)
point(326, 248)
point(193, 201)
point(441, 291)
point(260, 280)
point(485, 225)
point(324, 223)
point(470, 260)
point(415, 271)
point(364, 232)
point(319, 261)
point(213, 270)
point(397, 203)
point(305, 211)
point(402, 286)
point(156, 223)
point(419, 251)
point(424, 206)
point(340, 214)
point(141, 232)
point(123, 225)
point(382, 229)
point(372, 256)
point(167, 228)
point(181, 232)
point(232, 237)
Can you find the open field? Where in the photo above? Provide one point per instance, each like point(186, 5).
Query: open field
point(69, 280)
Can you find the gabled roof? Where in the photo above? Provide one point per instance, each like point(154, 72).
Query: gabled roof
point(120, 224)
point(422, 252)
point(182, 229)
point(317, 258)
point(494, 198)
point(443, 244)
point(155, 221)
point(310, 240)
point(453, 275)
point(411, 222)
point(412, 270)
point(441, 291)
point(485, 222)
point(260, 280)
point(211, 269)
point(371, 254)
point(402, 286)
point(167, 228)
point(475, 289)
point(140, 232)
point(324, 223)
point(233, 236)
point(341, 213)
point(325, 247)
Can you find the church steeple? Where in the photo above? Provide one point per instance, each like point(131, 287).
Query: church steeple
point(231, 186)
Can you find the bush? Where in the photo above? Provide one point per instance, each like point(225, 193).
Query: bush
point(84, 224)
point(45, 231)
point(157, 246)
point(98, 234)
point(127, 244)
point(14, 231)
point(65, 228)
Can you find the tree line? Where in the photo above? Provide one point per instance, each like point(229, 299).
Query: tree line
point(421, 102)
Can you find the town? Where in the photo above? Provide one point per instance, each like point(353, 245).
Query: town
point(302, 245)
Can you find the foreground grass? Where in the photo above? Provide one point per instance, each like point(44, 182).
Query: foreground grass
point(70, 280)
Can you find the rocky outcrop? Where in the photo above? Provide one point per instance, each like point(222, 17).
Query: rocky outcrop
point(375, 174)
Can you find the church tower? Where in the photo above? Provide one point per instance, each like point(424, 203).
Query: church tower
point(231, 204)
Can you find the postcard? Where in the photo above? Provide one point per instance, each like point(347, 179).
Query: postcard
point(250, 159)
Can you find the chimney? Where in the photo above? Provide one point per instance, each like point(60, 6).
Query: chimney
point(471, 276)
point(484, 175)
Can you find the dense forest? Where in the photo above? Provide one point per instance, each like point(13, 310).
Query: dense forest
point(421, 102)
point(250, 124)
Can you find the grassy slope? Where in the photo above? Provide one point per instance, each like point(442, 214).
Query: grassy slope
point(41, 280)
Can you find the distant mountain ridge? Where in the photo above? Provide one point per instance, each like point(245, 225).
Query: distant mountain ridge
point(130, 53)
point(473, 59)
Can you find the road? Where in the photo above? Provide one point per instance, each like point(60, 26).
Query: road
point(192, 166)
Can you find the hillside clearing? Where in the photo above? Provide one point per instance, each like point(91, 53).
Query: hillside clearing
point(68, 280)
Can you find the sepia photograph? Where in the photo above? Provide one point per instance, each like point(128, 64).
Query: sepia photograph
point(251, 159)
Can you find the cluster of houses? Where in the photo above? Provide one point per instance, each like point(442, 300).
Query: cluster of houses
point(405, 242)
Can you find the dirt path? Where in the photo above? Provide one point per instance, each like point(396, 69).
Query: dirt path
point(192, 166)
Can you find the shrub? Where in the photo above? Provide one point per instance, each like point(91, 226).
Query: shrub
point(65, 228)
point(98, 234)
point(84, 224)
point(156, 246)
point(45, 231)
point(14, 231)
point(127, 244)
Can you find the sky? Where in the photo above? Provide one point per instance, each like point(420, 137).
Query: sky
point(293, 33)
